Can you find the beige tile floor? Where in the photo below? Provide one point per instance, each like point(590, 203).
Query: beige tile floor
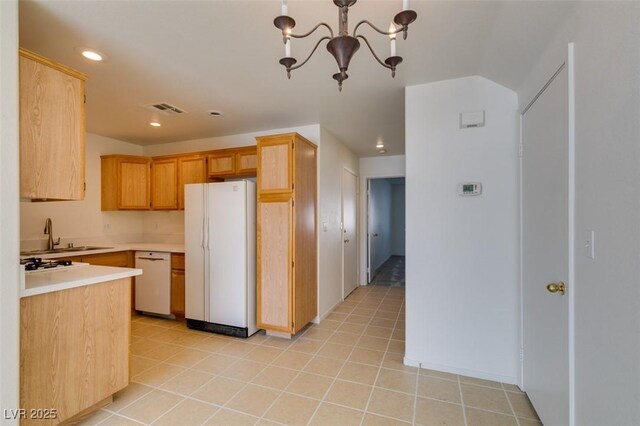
point(347, 370)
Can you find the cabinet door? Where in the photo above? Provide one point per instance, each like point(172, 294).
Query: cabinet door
point(164, 184)
point(52, 145)
point(134, 185)
point(247, 161)
point(191, 169)
point(221, 164)
point(275, 165)
point(274, 272)
point(177, 292)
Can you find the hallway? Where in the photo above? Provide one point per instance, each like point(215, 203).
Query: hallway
point(391, 273)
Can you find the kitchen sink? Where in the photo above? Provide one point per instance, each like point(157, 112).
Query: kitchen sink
point(63, 250)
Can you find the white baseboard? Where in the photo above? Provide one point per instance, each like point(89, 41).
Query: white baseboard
point(320, 318)
point(463, 371)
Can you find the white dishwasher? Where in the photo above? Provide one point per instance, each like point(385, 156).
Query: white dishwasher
point(153, 287)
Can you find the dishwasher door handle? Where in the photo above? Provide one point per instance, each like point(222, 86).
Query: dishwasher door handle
point(150, 258)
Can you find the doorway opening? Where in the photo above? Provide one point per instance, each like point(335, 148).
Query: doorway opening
point(386, 232)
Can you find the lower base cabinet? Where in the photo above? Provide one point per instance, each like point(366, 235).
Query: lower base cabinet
point(177, 284)
point(74, 350)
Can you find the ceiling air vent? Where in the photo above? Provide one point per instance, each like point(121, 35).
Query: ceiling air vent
point(166, 108)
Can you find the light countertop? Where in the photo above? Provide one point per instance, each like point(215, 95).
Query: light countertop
point(168, 248)
point(63, 278)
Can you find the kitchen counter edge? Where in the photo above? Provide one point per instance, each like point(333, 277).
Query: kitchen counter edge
point(48, 282)
point(167, 248)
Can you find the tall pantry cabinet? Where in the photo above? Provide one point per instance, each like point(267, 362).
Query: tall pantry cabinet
point(287, 233)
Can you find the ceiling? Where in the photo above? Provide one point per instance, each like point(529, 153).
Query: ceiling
point(223, 55)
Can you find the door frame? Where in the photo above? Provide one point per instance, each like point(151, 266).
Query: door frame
point(357, 230)
point(367, 245)
point(569, 62)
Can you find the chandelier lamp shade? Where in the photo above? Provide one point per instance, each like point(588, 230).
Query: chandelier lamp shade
point(344, 45)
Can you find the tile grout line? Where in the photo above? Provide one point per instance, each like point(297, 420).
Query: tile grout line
point(313, 356)
point(464, 410)
point(511, 406)
point(395, 324)
point(345, 363)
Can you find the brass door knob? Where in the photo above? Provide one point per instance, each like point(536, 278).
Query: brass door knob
point(346, 241)
point(556, 287)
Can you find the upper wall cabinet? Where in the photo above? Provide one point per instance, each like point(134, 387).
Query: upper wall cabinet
point(275, 174)
point(126, 182)
point(52, 129)
point(191, 169)
point(221, 164)
point(232, 162)
point(164, 184)
point(246, 161)
point(142, 183)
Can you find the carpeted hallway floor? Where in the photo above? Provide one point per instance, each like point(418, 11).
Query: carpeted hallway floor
point(391, 273)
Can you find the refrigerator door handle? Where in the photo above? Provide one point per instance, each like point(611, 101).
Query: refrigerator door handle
point(204, 203)
point(208, 234)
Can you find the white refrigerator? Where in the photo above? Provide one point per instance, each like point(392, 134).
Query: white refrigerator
point(220, 257)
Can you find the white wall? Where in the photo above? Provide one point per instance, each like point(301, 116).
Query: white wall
point(606, 290)
point(373, 167)
point(379, 222)
point(83, 221)
point(462, 282)
point(334, 157)
point(9, 218)
point(398, 220)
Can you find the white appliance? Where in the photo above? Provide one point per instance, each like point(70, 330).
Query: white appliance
point(153, 287)
point(220, 257)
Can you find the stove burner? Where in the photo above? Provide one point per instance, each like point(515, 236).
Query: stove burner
point(35, 263)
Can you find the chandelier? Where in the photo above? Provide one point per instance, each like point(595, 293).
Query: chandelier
point(343, 46)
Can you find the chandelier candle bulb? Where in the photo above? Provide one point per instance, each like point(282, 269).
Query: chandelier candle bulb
point(405, 4)
point(287, 48)
point(392, 28)
point(284, 9)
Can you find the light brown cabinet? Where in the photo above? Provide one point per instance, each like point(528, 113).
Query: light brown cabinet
point(246, 161)
point(74, 350)
point(232, 162)
point(177, 284)
point(221, 164)
point(52, 129)
point(143, 183)
point(286, 233)
point(164, 184)
point(126, 182)
point(191, 169)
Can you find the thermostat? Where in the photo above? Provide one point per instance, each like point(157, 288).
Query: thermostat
point(470, 188)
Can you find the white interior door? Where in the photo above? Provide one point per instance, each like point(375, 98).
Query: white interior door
point(349, 240)
point(546, 250)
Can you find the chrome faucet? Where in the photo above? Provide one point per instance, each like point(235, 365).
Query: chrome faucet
point(48, 229)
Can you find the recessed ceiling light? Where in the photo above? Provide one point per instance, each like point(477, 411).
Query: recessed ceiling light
point(92, 55)
point(382, 151)
point(215, 113)
point(155, 124)
point(380, 145)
